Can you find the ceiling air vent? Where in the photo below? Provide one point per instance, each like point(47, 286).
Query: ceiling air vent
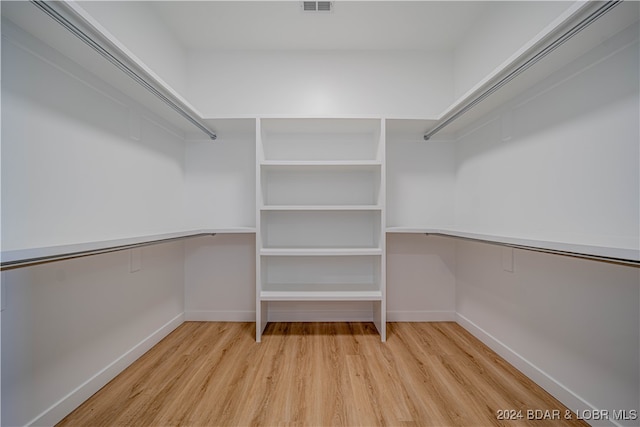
point(316, 6)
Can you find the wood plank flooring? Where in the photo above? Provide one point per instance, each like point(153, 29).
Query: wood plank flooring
point(317, 374)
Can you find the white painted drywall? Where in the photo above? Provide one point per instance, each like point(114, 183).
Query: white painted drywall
point(569, 324)
point(81, 162)
point(220, 278)
point(320, 83)
point(142, 31)
point(501, 29)
point(560, 163)
point(220, 182)
point(420, 278)
point(71, 326)
point(420, 181)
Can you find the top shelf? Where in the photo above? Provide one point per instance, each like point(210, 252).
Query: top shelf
point(27, 16)
point(320, 142)
point(327, 125)
point(552, 48)
point(107, 58)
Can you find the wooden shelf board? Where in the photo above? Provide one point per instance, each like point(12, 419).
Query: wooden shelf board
point(24, 255)
point(320, 163)
point(584, 250)
point(321, 295)
point(321, 208)
point(320, 251)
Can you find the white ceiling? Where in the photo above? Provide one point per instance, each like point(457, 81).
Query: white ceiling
point(424, 25)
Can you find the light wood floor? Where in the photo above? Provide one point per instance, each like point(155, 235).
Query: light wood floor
point(317, 374)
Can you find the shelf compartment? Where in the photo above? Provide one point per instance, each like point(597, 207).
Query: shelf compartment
point(327, 185)
point(325, 229)
point(321, 278)
point(321, 139)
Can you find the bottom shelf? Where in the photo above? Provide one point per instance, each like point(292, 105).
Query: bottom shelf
point(321, 306)
point(319, 288)
point(323, 292)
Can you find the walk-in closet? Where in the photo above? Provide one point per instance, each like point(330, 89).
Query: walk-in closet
point(362, 197)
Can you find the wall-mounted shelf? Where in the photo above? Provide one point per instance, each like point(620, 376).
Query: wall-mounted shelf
point(349, 164)
point(67, 28)
point(552, 48)
point(33, 256)
point(287, 293)
point(321, 208)
point(599, 253)
point(320, 251)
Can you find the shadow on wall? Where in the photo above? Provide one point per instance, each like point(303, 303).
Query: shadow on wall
point(605, 76)
point(560, 164)
point(35, 79)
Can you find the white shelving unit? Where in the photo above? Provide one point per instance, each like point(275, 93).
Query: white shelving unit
point(320, 213)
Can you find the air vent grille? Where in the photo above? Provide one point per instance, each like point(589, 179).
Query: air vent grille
point(324, 6)
point(316, 6)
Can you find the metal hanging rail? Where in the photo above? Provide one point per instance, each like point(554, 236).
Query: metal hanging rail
point(27, 262)
point(620, 261)
point(84, 37)
point(557, 42)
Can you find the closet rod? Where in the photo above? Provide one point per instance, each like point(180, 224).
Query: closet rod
point(621, 261)
point(28, 262)
point(104, 52)
point(557, 42)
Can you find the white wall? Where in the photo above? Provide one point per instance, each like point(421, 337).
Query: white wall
point(69, 327)
point(571, 325)
point(155, 45)
point(81, 162)
point(485, 46)
point(560, 163)
point(220, 181)
point(220, 278)
point(320, 83)
point(421, 280)
point(420, 181)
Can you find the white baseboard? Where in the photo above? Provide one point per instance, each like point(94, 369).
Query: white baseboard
point(570, 399)
point(281, 316)
point(56, 412)
point(421, 316)
point(219, 316)
point(319, 316)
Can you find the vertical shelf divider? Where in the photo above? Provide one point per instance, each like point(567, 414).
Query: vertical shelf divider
point(380, 309)
point(262, 307)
